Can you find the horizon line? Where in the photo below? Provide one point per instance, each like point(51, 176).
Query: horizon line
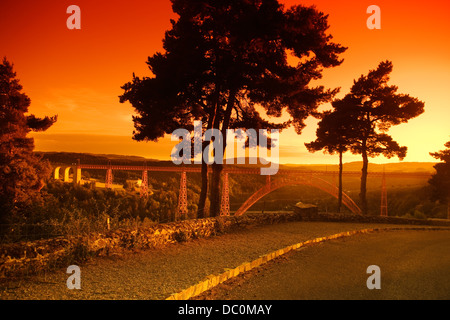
point(280, 163)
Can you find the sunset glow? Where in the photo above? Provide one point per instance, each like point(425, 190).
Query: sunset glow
point(78, 74)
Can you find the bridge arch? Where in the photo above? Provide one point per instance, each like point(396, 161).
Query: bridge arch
point(56, 173)
point(67, 173)
point(76, 174)
point(310, 181)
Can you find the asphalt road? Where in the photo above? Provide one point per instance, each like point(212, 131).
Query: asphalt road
point(413, 265)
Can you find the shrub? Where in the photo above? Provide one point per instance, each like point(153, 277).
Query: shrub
point(181, 236)
point(78, 253)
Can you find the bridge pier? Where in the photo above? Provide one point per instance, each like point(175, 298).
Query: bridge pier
point(182, 198)
point(225, 203)
point(383, 206)
point(76, 175)
point(144, 185)
point(109, 179)
point(66, 174)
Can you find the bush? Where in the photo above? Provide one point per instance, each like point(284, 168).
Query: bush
point(220, 225)
point(181, 236)
point(419, 215)
point(78, 254)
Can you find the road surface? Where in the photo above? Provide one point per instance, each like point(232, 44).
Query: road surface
point(413, 265)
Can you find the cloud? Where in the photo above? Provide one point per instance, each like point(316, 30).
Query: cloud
point(84, 110)
point(102, 144)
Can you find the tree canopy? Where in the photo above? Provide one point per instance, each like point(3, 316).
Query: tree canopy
point(440, 181)
point(337, 129)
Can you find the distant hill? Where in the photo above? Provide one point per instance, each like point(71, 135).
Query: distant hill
point(68, 158)
point(357, 165)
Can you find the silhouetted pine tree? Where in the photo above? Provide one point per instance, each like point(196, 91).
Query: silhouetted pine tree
point(21, 171)
point(336, 132)
point(221, 59)
point(375, 107)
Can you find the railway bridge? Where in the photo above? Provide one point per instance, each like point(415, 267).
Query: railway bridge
point(284, 177)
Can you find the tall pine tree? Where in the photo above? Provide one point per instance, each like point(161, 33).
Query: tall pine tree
point(224, 58)
point(21, 171)
point(375, 107)
point(336, 132)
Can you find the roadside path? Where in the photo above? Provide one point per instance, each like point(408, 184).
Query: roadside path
point(156, 274)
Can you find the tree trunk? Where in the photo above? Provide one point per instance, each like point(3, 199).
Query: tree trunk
point(215, 189)
point(340, 182)
point(201, 209)
point(363, 191)
point(448, 208)
point(201, 212)
point(215, 195)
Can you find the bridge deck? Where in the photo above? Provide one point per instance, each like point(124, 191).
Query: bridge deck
point(256, 171)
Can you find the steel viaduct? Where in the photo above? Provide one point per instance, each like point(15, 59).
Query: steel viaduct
point(284, 177)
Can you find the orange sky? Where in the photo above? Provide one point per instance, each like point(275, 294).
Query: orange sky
point(77, 74)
